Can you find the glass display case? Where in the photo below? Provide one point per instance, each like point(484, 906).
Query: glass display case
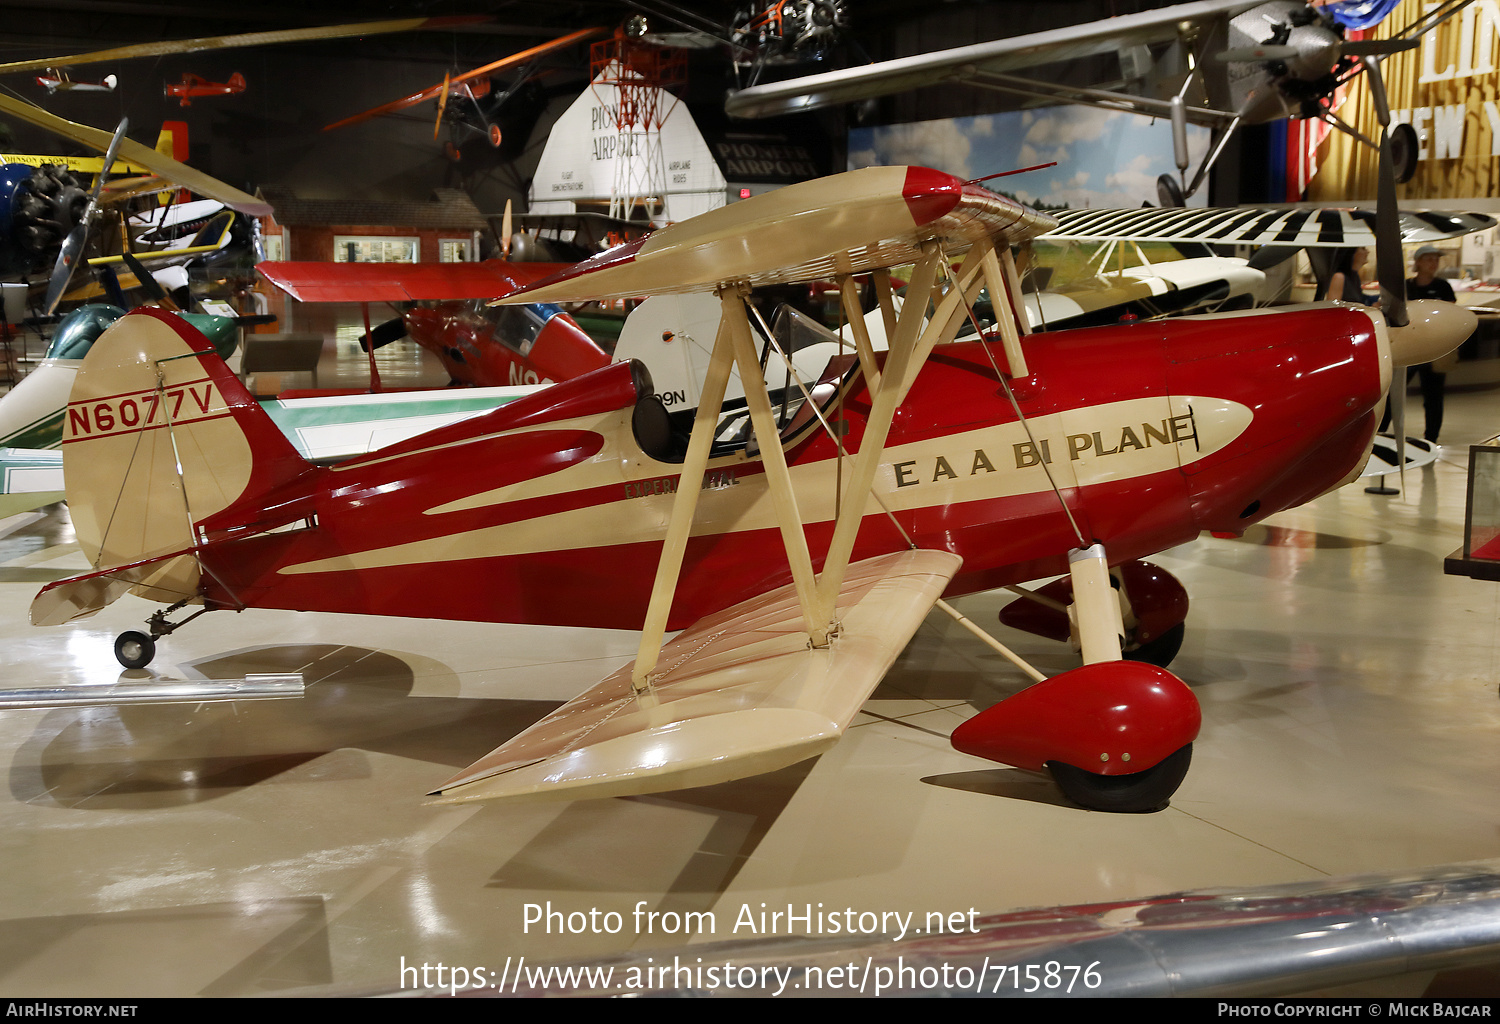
point(1480, 555)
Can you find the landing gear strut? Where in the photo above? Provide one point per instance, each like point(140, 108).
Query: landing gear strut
point(1153, 605)
point(134, 649)
point(1117, 733)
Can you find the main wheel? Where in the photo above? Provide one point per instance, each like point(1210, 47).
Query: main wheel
point(1126, 794)
point(1162, 650)
point(1404, 149)
point(1169, 193)
point(134, 649)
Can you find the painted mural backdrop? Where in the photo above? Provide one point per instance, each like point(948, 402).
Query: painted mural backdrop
point(1448, 89)
point(1104, 158)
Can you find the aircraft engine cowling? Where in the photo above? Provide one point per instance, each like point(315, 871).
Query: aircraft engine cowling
point(1315, 388)
point(38, 207)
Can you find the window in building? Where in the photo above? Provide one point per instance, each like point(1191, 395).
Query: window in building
point(375, 249)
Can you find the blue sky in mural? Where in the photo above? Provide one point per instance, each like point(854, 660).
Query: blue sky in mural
point(1104, 158)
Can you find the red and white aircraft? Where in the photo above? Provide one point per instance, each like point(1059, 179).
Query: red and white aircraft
point(61, 81)
point(797, 555)
point(447, 313)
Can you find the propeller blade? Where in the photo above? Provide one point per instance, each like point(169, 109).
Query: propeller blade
point(62, 270)
point(1268, 256)
point(151, 285)
point(1377, 92)
point(391, 330)
point(506, 229)
point(111, 285)
point(1389, 264)
point(72, 247)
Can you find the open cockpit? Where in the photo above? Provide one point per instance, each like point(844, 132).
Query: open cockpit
point(806, 368)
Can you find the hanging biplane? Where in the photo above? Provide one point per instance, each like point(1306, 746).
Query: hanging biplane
point(470, 99)
point(61, 81)
point(1217, 63)
point(797, 554)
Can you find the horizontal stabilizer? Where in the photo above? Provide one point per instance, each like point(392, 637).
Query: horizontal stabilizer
point(78, 597)
point(739, 693)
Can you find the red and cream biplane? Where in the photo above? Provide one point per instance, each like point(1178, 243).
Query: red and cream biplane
point(797, 550)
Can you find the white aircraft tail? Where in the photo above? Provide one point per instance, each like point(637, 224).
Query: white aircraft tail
point(163, 451)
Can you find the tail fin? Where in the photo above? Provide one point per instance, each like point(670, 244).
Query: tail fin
point(161, 446)
point(172, 141)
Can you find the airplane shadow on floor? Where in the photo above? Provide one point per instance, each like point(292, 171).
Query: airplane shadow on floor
point(162, 755)
point(600, 845)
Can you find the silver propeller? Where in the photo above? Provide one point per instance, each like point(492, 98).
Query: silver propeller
point(73, 245)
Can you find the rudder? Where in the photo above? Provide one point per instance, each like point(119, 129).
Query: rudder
point(159, 438)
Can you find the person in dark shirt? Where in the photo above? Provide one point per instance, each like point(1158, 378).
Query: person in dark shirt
point(1427, 285)
point(1345, 284)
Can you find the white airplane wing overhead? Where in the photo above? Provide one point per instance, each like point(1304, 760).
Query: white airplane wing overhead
point(1257, 226)
point(142, 156)
point(1001, 55)
point(738, 693)
point(847, 224)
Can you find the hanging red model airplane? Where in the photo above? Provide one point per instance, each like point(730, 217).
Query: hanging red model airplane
point(196, 86)
point(798, 551)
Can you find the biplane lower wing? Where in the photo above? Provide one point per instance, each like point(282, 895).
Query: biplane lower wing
point(738, 693)
point(401, 282)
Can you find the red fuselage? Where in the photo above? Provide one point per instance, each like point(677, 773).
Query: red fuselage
point(499, 346)
point(549, 511)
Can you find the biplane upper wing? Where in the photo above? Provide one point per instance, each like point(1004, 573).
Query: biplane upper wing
point(869, 219)
point(1109, 35)
point(142, 156)
point(1257, 226)
point(400, 282)
point(778, 677)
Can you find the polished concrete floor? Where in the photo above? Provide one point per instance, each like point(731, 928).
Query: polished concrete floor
point(1349, 693)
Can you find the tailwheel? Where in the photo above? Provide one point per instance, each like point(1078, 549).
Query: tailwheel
point(1137, 793)
point(134, 649)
